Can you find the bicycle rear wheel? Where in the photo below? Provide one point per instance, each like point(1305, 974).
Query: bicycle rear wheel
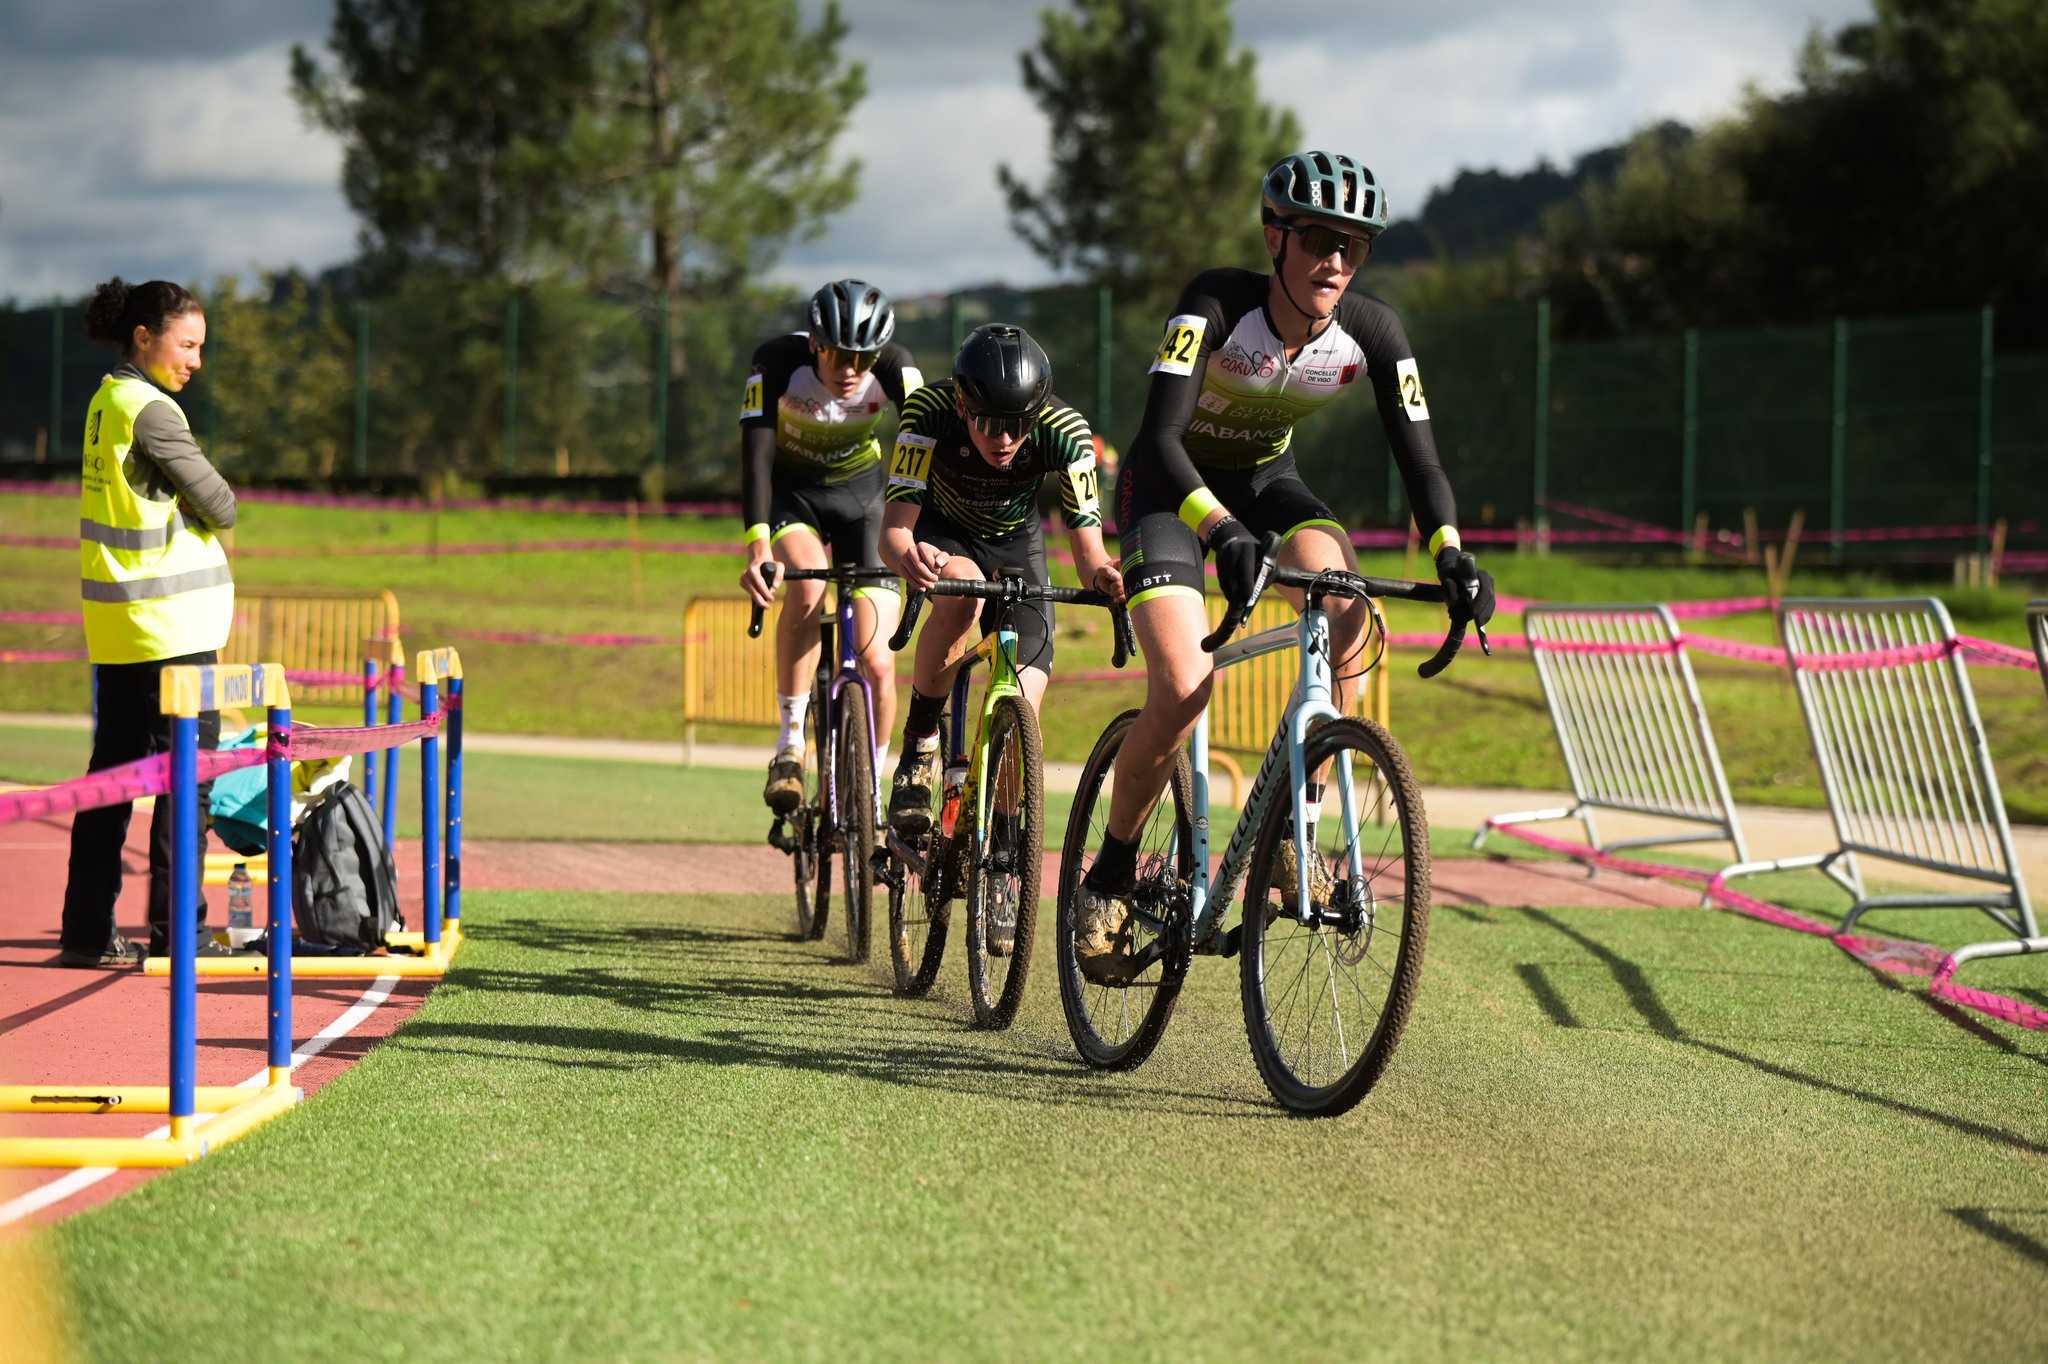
point(1325, 1003)
point(1116, 1027)
point(813, 831)
point(855, 795)
point(1002, 886)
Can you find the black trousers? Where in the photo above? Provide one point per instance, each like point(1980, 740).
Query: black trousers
point(130, 724)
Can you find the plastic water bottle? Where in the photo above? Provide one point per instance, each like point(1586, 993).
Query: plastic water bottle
point(241, 906)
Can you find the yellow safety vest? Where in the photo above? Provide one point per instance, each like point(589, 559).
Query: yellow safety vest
point(154, 587)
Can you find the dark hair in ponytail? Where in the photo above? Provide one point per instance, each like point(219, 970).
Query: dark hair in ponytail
point(118, 308)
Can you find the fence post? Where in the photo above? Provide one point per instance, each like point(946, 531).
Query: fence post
point(661, 386)
point(1838, 441)
point(1105, 344)
point(56, 378)
point(511, 381)
point(362, 389)
point(953, 336)
point(1689, 458)
point(1984, 370)
point(1541, 441)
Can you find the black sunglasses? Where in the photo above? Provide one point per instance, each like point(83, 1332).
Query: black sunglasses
point(1319, 241)
point(990, 424)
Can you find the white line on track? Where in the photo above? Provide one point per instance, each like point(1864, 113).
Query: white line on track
point(77, 1181)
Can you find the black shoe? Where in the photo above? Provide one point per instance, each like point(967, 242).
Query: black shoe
point(118, 953)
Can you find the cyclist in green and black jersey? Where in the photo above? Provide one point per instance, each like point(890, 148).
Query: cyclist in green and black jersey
point(963, 503)
point(811, 477)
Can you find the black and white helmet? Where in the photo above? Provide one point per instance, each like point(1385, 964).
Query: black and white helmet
point(852, 315)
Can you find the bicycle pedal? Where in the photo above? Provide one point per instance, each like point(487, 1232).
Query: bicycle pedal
point(779, 837)
point(1231, 941)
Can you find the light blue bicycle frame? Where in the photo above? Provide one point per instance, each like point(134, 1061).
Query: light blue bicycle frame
point(1311, 701)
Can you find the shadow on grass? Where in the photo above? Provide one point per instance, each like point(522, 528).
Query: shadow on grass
point(732, 1003)
point(1991, 1223)
point(941, 1064)
point(1642, 997)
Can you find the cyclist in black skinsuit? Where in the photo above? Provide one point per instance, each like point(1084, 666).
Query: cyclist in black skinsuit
point(963, 503)
point(811, 476)
point(1245, 356)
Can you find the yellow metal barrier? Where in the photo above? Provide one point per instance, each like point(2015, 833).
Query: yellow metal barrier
point(727, 678)
point(1246, 706)
point(310, 630)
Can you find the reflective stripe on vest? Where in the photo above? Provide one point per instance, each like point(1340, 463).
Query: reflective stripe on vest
point(152, 585)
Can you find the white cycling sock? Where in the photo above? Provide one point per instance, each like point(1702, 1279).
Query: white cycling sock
point(881, 760)
point(794, 709)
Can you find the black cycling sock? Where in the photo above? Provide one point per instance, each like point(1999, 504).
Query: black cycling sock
point(1115, 867)
point(923, 721)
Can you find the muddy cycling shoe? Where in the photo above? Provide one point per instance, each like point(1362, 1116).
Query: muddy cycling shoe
point(785, 788)
point(910, 795)
point(1102, 936)
point(1286, 878)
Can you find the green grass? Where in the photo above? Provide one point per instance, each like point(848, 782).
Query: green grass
point(648, 1126)
point(1481, 724)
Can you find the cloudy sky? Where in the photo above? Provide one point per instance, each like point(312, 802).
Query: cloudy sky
point(151, 139)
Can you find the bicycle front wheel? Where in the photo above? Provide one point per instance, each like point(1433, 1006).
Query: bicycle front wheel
point(1115, 1027)
point(1325, 1001)
point(814, 830)
point(1002, 886)
point(855, 795)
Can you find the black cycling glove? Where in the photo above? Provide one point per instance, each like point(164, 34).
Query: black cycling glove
point(1468, 588)
point(1237, 559)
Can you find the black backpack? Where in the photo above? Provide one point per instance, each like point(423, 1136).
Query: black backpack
point(344, 888)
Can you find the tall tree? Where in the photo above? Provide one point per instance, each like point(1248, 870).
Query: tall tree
point(1158, 141)
point(1900, 176)
point(453, 116)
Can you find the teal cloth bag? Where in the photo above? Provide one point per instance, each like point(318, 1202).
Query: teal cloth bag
point(240, 804)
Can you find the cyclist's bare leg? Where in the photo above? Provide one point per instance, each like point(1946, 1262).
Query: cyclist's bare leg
point(796, 625)
point(947, 635)
point(875, 611)
point(1177, 676)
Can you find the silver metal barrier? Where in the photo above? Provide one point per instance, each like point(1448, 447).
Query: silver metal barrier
point(1903, 760)
point(1628, 716)
point(2037, 627)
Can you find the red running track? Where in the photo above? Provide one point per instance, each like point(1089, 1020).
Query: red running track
point(70, 1026)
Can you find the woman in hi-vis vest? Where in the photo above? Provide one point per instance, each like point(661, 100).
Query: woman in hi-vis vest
point(155, 585)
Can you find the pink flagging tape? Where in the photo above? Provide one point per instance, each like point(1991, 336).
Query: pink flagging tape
point(591, 641)
point(1726, 606)
point(1875, 658)
point(41, 618)
point(1573, 646)
point(1885, 954)
point(39, 541)
point(305, 741)
point(1997, 1006)
point(113, 785)
point(1730, 648)
point(2001, 655)
point(42, 656)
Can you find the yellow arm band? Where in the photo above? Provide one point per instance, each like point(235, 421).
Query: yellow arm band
point(757, 531)
point(1446, 535)
point(1196, 506)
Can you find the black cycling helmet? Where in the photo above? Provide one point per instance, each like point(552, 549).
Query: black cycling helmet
point(1327, 187)
point(1003, 375)
point(853, 315)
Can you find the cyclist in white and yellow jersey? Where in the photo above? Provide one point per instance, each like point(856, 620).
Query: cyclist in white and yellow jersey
point(1245, 357)
point(811, 479)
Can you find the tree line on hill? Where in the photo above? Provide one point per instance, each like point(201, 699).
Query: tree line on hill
point(599, 188)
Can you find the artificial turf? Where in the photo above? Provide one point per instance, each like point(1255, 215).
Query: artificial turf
point(639, 1126)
